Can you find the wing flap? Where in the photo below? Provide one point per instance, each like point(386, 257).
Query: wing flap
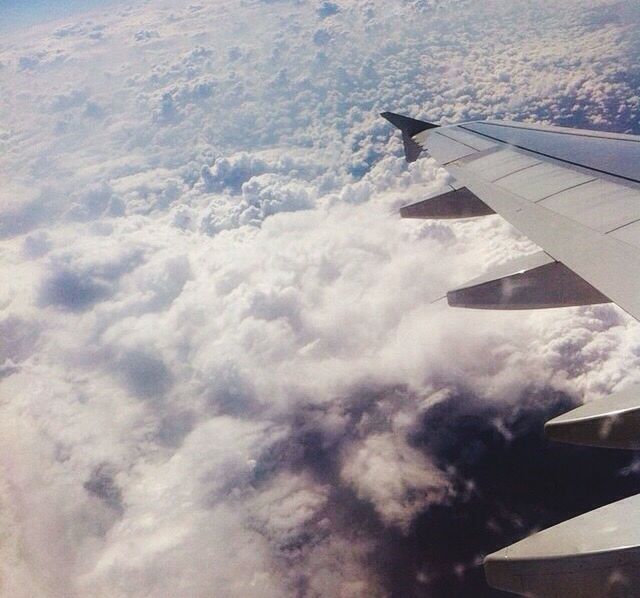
point(497, 165)
point(476, 142)
point(447, 149)
point(600, 205)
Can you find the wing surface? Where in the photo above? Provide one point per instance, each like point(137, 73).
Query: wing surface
point(574, 193)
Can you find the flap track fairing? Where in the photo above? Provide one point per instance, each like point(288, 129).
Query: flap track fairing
point(458, 203)
point(611, 422)
point(594, 555)
point(534, 282)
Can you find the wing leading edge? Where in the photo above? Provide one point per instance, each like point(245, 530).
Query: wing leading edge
point(575, 193)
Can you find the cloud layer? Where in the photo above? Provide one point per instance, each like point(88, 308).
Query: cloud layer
point(222, 371)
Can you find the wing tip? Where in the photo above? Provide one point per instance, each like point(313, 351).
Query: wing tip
point(408, 125)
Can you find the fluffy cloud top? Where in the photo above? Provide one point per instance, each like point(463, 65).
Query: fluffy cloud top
point(222, 372)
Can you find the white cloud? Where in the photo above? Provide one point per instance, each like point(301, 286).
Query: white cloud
point(218, 341)
point(398, 480)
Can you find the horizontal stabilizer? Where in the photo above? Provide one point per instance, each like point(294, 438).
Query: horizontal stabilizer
point(459, 203)
point(409, 128)
point(534, 282)
point(594, 555)
point(612, 422)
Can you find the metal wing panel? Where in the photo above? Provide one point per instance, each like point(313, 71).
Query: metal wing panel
point(475, 141)
point(445, 148)
point(498, 164)
point(600, 205)
point(570, 218)
point(543, 180)
point(609, 264)
point(618, 155)
point(628, 234)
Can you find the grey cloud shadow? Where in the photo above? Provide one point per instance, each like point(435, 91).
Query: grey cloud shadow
point(508, 481)
point(78, 288)
point(71, 291)
point(144, 374)
point(101, 484)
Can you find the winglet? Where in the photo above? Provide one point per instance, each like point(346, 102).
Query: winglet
point(407, 125)
point(409, 128)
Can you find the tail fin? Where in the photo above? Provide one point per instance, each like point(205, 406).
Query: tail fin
point(409, 128)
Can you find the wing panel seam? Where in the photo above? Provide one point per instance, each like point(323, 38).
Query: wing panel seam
point(504, 176)
point(593, 169)
point(566, 189)
point(571, 134)
point(622, 225)
point(456, 140)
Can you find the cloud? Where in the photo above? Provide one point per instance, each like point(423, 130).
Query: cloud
point(145, 375)
point(69, 290)
point(77, 281)
point(224, 369)
point(102, 485)
point(326, 9)
point(395, 478)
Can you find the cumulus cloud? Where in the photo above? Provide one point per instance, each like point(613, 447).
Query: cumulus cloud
point(222, 369)
point(398, 480)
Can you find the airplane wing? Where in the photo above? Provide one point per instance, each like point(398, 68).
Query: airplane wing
point(576, 194)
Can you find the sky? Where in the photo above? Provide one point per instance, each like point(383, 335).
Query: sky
point(222, 372)
point(18, 14)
